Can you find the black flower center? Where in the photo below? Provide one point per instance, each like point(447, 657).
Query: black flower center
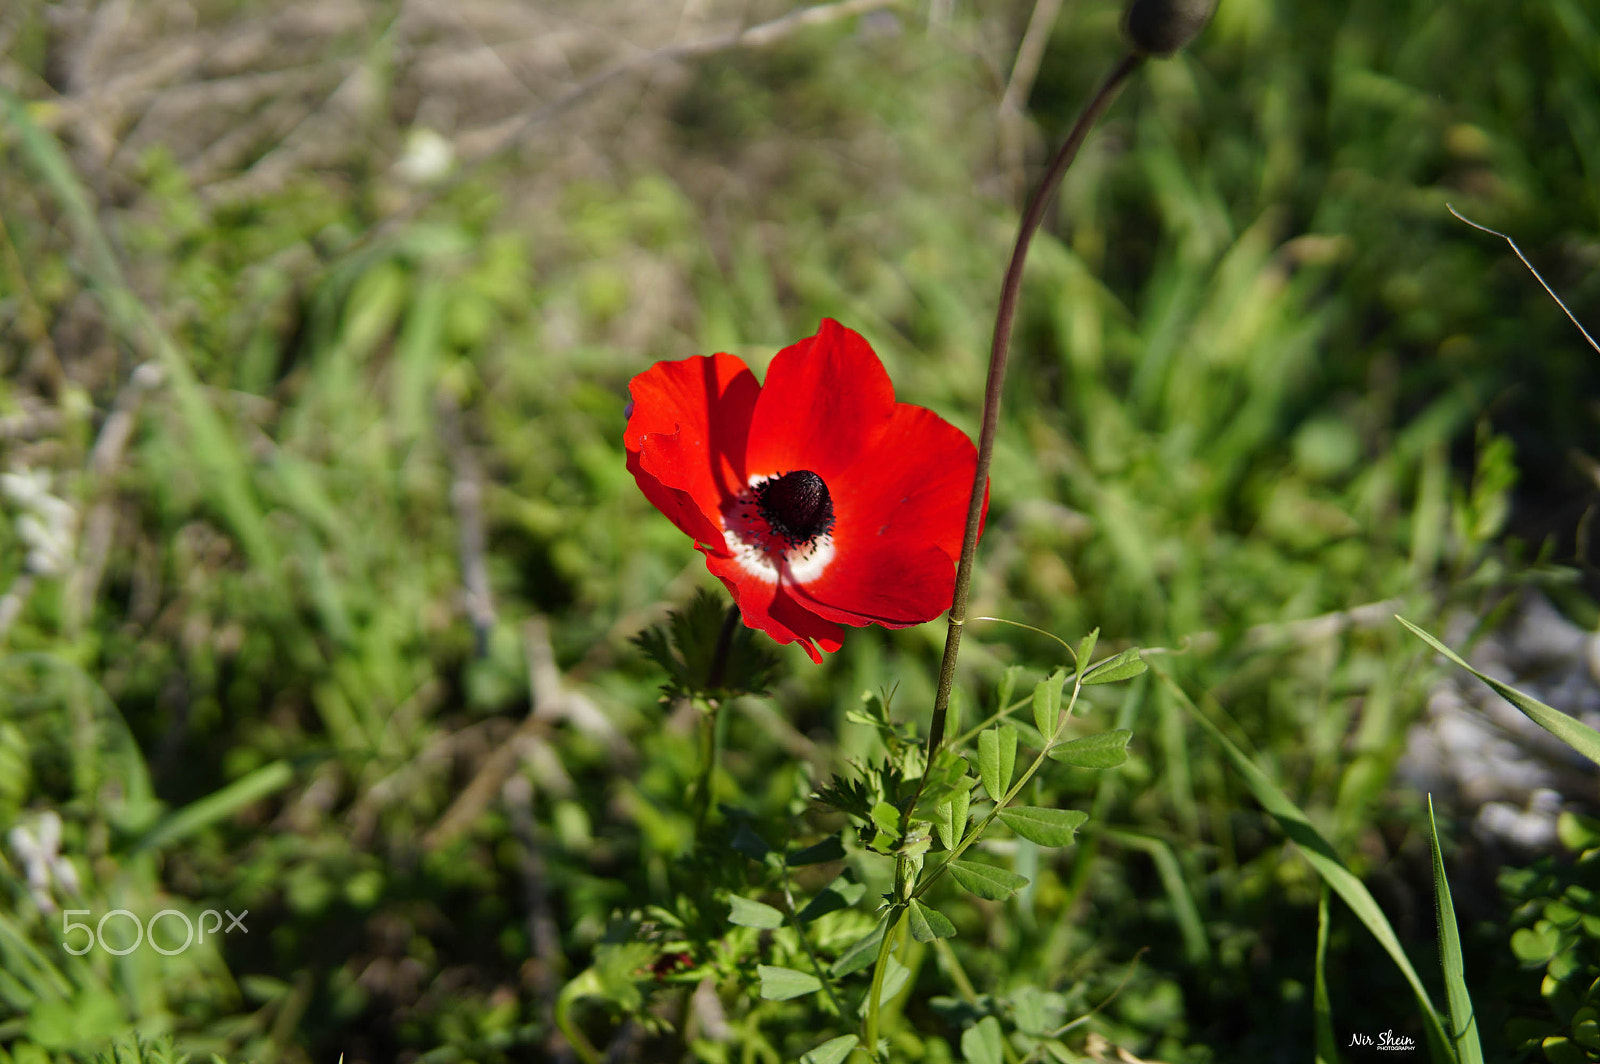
point(797, 506)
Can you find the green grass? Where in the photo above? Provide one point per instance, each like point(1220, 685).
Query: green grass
point(1261, 376)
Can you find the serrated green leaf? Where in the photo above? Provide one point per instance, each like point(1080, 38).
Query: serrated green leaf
point(833, 1051)
point(781, 984)
point(1124, 666)
point(748, 913)
point(986, 881)
point(1104, 750)
point(829, 849)
point(1047, 827)
point(928, 924)
point(982, 1042)
point(1047, 703)
point(997, 759)
point(951, 818)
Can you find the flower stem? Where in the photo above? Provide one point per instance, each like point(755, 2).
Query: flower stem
point(711, 720)
point(998, 353)
point(880, 968)
point(710, 712)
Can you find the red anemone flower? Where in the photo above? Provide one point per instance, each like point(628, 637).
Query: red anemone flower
point(817, 499)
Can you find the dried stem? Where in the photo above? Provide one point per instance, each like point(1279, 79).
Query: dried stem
point(1001, 348)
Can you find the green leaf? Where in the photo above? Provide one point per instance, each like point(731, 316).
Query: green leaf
point(219, 805)
point(747, 842)
point(1086, 649)
point(840, 894)
point(1047, 704)
point(1047, 827)
point(747, 913)
point(1008, 686)
point(951, 818)
point(895, 975)
point(1463, 1023)
point(859, 955)
point(939, 783)
point(829, 849)
point(1104, 750)
point(1184, 911)
point(1322, 1038)
point(1574, 733)
point(928, 924)
point(982, 1044)
point(781, 984)
point(833, 1051)
point(1124, 666)
point(986, 881)
point(1324, 859)
point(997, 759)
point(887, 818)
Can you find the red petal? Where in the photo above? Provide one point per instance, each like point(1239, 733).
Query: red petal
point(824, 400)
point(771, 608)
point(901, 511)
point(686, 438)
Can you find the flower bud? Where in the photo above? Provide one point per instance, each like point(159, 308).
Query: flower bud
point(1162, 27)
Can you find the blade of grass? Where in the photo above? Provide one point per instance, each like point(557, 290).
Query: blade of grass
point(1325, 860)
point(213, 807)
point(1574, 733)
point(1463, 1022)
point(1327, 1050)
point(1185, 913)
point(215, 450)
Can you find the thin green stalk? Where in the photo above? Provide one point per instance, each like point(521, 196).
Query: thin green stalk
point(710, 708)
point(880, 968)
point(710, 714)
point(805, 939)
point(999, 351)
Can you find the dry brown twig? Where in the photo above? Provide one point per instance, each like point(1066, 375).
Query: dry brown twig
point(466, 498)
point(103, 462)
point(550, 701)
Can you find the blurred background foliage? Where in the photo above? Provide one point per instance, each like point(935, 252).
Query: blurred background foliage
point(320, 318)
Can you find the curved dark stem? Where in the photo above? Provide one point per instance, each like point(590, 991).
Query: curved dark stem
point(998, 353)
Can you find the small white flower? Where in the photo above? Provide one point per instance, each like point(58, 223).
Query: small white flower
point(25, 486)
point(427, 158)
point(46, 525)
point(39, 850)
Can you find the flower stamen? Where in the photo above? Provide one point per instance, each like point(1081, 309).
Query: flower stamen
point(797, 506)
